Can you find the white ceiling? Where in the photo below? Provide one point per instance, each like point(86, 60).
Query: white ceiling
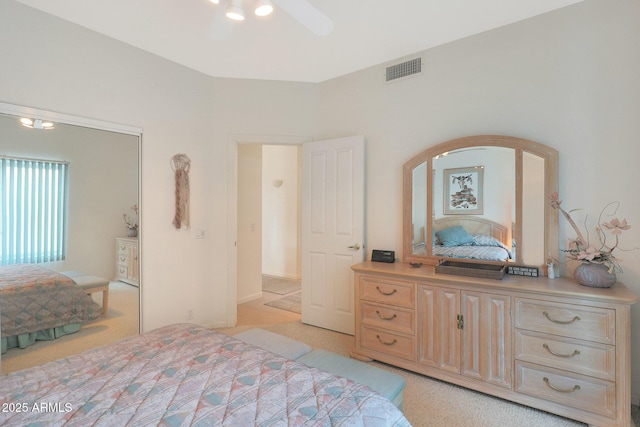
point(366, 32)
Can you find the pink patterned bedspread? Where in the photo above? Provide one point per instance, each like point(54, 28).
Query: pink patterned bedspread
point(186, 375)
point(33, 298)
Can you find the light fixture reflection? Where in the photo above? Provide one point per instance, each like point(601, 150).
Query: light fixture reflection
point(36, 124)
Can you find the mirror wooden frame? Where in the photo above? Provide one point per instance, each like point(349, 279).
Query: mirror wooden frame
point(520, 147)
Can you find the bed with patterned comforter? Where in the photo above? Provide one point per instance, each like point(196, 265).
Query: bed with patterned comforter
point(483, 247)
point(493, 252)
point(183, 375)
point(38, 303)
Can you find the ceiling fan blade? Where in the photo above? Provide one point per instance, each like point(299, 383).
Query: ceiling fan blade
point(305, 13)
point(221, 26)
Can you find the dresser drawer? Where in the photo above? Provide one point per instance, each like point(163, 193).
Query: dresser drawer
point(122, 272)
point(576, 321)
point(388, 342)
point(389, 317)
point(575, 391)
point(582, 357)
point(388, 291)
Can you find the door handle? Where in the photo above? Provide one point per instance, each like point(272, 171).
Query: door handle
point(355, 247)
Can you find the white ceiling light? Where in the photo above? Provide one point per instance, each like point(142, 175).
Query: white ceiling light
point(300, 10)
point(235, 10)
point(263, 8)
point(215, 1)
point(36, 123)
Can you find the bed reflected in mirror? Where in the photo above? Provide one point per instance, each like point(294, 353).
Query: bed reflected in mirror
point(102, 185)
point(480, 198)
point(474, 204)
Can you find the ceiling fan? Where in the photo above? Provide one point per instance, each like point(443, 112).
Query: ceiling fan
point(304, 12)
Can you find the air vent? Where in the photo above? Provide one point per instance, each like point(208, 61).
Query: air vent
point(403, 69)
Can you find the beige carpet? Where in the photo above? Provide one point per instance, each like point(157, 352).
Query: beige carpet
point(121, 322)
point(428, 402)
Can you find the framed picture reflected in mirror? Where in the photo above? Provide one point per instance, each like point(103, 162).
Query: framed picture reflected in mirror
point(463, 191)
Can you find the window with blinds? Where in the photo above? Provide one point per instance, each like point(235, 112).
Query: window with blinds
point(33, 210)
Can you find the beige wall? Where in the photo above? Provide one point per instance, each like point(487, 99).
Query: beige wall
point(280, 211)
point(568, 79)
point(249, 285)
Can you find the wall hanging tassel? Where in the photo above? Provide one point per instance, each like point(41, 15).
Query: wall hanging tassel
point(181, 164)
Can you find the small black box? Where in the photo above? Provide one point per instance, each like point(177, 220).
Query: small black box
point(521, 270)
point(383, 256)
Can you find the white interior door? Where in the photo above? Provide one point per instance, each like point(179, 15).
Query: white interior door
point(332, 230)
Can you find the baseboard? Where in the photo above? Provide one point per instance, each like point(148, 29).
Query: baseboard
point(250, 298)
point(218, 325)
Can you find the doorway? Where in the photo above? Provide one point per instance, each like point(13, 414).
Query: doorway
point(268, 227)
point(335, 171)
point(235, 141)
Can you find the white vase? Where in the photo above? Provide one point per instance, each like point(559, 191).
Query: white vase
point(594, 275)
point(132, 232)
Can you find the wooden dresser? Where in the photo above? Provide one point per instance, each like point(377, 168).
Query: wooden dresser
point(546, 343)
point(127, 264)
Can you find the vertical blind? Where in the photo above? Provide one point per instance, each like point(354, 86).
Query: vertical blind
point(33, 211)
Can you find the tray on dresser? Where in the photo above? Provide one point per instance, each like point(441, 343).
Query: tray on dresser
point(461, 268)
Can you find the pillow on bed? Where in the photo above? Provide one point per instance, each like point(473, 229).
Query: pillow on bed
point(454, 236)
point(484, 240)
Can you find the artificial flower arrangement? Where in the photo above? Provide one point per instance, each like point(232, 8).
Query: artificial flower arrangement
point(132, 224)
point(580, 248)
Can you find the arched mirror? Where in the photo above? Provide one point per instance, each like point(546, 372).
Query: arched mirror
point(481, 198)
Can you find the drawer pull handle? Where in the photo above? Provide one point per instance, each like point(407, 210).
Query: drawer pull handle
point(561, 390)
point(386, 318)
point(386, 293)
point(574, 354)
point(386, 343)
point(561, 322)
